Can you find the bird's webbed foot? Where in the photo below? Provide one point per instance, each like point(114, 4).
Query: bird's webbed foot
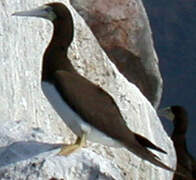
point(68, 149)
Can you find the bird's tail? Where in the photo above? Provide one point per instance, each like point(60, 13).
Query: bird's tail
point(144, 153)
point(140, 149)
point(146, 143)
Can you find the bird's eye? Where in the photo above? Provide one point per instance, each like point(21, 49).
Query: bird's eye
point(48, 9)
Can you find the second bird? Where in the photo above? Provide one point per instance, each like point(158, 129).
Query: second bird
point(186, 164)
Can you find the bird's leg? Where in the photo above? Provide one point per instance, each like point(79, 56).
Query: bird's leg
point(68, 149)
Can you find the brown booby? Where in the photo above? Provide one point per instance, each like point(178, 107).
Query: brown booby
point(87, 109)
point(185, 162)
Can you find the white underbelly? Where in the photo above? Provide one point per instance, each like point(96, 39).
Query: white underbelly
point(72, 119)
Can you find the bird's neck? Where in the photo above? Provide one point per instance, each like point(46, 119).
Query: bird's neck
point(179, 144)
point(179, 132)
point(180, 125)
point(55, 56)
point(63, 33)
point(179, 138)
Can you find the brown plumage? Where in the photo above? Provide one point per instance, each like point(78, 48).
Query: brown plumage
point(99, 115)
point(186, 164)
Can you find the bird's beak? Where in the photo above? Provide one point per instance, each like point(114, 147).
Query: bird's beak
point(45, 12)
point(167, 113)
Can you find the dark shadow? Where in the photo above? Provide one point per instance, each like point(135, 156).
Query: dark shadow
point(135, 70)
point(95, 174)
point(23, 150)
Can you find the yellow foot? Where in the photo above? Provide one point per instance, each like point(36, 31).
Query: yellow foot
point(68, 149)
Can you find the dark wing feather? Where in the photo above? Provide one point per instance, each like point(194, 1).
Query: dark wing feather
point(147, 143)
point(97, 107)
point(93, 104)
point(182, 174)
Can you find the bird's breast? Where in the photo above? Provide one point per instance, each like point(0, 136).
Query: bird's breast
point(72, 119)
point(69, 116)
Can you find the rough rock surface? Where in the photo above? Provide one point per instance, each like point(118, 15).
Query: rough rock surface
point(30, 130)
point(122, 29)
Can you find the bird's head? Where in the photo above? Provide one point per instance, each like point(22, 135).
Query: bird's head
point(50, 11)
point(167, 113)
point(61, 18)
point(174, 113)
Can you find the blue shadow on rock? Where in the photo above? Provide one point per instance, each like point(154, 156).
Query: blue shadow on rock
point(23, 150)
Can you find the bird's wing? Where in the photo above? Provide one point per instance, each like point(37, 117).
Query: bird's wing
point(182, 173)
point(92, 103)
point(97, 108)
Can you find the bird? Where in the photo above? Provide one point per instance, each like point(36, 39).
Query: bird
point(87, 109)
point(185, 161)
